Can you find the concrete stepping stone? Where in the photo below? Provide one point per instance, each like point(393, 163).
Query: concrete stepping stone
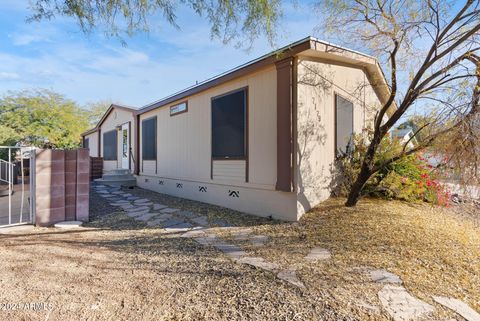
point(258, 240)
point(183, 225)
point(139, 200)
point(145, 217)
point(195, 232)
point(201, 220)
point(401, 305)
point(242, 235)
point(172, 222)
point(106, 195)
point(169, 210)
point(138, 209)
point(118, 203)
point(127, 206)
point(157, 206)
point(231, 250)
point(383, 276)
point(132, 198)
point(136, 214)
point(259, 262)
point(102, 191)
point(176, 229)
point(206, 240)
point(186, 214)
point(68, 224)
point(318, 253)
point(459, 307)
point(290, 276)
point(221, 223)
point(126, 195)
point(154, 222)
point(117, 192)
point(163, 217)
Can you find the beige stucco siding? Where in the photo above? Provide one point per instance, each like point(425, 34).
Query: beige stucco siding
point(315, 144)
point(184, 140)
point(117, 117)
point(92, 144)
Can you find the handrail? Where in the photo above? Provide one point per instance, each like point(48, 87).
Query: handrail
point(131, 156)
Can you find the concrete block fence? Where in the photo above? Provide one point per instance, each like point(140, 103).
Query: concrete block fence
point(62, 179)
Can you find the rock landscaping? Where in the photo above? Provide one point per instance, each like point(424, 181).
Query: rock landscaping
point(236, 244)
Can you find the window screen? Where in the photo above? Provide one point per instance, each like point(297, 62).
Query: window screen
point(228, 125)
point(149, 139)
point(344, 123)
point(86, 143)
point(110, 145)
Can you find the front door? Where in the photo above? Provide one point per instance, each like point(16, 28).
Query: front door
point(125, 146)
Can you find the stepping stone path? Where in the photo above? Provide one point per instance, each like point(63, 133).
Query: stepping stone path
point(195, 226)
point(459, 307)
point(383, 276)
point(401, 305)
point(290, 276)
point(395, 299)
point(318, 254)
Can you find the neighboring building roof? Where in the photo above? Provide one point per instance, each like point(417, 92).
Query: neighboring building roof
point(404, 135)
point(401, 133)
point(105, 115)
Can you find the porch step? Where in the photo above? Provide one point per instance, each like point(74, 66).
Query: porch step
point(117, 178)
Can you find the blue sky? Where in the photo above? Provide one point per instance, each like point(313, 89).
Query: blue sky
point(86, 68)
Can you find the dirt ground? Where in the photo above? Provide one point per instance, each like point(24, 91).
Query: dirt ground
point(117, 269)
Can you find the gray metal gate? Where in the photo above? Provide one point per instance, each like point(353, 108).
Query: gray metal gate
point(17, 178)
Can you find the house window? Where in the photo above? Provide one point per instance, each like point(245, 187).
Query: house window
point(229, 116)
point(149, 139)
point(86, 143)
point(179, 108)
point(343, 124)
point(110, 145)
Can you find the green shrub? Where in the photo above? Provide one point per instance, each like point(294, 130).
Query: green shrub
point(410, 178)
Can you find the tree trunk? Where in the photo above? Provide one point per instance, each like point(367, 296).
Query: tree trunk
point(355, 191)
point(365, 172)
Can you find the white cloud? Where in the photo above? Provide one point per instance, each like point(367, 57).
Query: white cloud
point(89, 68)
point(8, 75)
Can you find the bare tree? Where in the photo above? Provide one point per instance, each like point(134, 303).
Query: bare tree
point(431, 49)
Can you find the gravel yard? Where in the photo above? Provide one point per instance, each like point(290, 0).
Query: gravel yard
point(118, 267)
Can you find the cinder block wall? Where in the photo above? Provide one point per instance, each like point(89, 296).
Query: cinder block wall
point(62, 186)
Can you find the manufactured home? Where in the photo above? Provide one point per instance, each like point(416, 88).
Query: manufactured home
point(260, 139)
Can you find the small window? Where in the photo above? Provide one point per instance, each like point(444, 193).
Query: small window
point(343, 124)
point(229, 116)
point(110, 145)
point(86, 143)
point(179, 108)
point(149, 139)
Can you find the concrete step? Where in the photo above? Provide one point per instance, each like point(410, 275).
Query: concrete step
point(117, 182)
point(117, 176)
point(119, 171)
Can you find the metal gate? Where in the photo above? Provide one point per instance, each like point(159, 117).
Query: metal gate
point(17, 177)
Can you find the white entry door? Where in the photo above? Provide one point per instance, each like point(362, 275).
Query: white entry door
point(125, 138)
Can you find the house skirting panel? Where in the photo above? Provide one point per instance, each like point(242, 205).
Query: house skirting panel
point(260, 202)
